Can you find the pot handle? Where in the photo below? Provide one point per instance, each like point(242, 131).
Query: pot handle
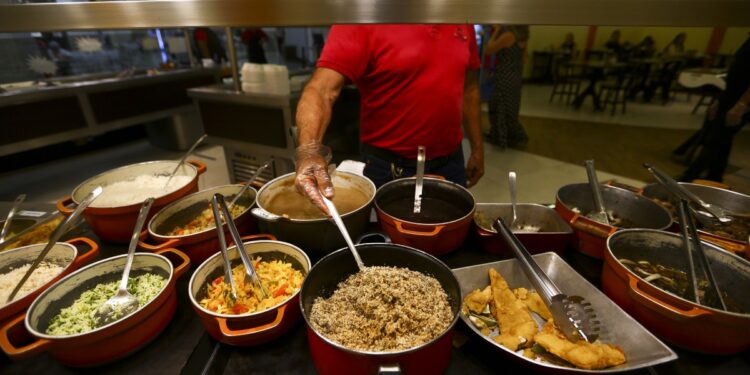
point(261, 236)
point(87, 256)
point(201, 167)
point(400, 228)
point(389, 369)
point(228, 332)
point(627, 187)
point(155, 248)
point(179, 260)
point(62, 205)
point(660, 306)
point(15, 330)
point(592, 228)
point(365, 238)
point(439, 177)
point(734, 247)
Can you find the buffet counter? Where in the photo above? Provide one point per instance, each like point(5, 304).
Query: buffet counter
point(185, 347)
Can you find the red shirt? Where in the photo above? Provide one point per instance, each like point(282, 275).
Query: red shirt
point(410, 79)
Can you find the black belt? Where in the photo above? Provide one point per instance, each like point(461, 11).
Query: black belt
point(399, 160)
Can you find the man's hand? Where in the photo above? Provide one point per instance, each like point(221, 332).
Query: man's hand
point(734, 116)
point(475, 167)
point(312, 174)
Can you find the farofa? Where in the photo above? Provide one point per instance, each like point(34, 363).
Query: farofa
point(382, 309)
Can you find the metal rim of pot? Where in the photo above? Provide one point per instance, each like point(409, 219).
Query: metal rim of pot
point(96, 330)
point(277, 180)
point(153, 232)
point(383, 354)
point(82, 185)
point(437, 180)
point(627, 232)
point(493, 231)
point(192, 293)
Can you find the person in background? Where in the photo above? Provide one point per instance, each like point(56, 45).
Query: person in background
point(724, 120)
point(418, 84)
point(209, 45)
point(253, 37)
point(613, 45)
point(676, 47)
point(645, 49)
point(568, 46)
point(509, 44)
point(61, 57)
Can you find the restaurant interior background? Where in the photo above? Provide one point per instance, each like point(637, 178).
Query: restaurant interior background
point(620, 138)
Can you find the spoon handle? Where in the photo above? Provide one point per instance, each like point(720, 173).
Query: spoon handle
point(597, 191)
point(419, 183)
point(184, 157)
point(11, 213)
point(513, 198)
point(142, 214)
point(342, 228)
point(249, 182)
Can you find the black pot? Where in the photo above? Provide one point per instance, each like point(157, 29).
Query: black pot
point(331, 358)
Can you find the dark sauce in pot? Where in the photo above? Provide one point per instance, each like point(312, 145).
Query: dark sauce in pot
point(434, 210)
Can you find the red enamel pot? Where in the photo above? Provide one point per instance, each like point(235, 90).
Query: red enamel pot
point(24, 337)
point(683, 322)
point(201, 245)
point(64, 254)
point(115, 224)
point(332, 358)
point(251, 328)
point(441, 226)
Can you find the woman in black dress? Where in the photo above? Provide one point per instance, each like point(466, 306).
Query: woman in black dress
point(509, 43)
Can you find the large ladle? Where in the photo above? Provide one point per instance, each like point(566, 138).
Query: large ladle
point(123, 303)
point(693, 247)
point(250, 273)
point(184, 157)
point(56, 234)
point(342, 228)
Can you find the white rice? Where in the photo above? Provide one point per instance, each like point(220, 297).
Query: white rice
point(42, 274)
point(136, 190)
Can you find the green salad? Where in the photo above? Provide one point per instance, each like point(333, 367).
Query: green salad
point(79, 317)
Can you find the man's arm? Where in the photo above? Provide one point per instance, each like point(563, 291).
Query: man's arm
point(472, 127)
point(313, 116)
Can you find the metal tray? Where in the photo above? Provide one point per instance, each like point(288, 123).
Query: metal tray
point(641, 348)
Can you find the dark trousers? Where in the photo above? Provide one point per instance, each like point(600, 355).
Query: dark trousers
point(717, 146)
point(381, 169)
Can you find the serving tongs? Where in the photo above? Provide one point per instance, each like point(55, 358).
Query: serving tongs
point(419, 183)
point(56, 234)
point(712, 211)
point(11, 213)
point(218, 204)
point(692, 245)
point(573, 315)
point(600, 213)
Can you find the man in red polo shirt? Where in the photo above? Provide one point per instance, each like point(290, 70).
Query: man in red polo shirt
point(418, 84)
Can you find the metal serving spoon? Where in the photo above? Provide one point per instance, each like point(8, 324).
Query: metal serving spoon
point(11, 213)
point(123, 303)
point(572, 314)
point(342, 228)
point(184, 157)
point(250, 273)
point(419, 183)
point(56, 234)
point(693, 246)
point(675, 188)
point(599, 214)
point(249, 182)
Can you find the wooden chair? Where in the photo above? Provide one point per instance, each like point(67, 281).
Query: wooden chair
point(615, 92)
point(566, 84)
